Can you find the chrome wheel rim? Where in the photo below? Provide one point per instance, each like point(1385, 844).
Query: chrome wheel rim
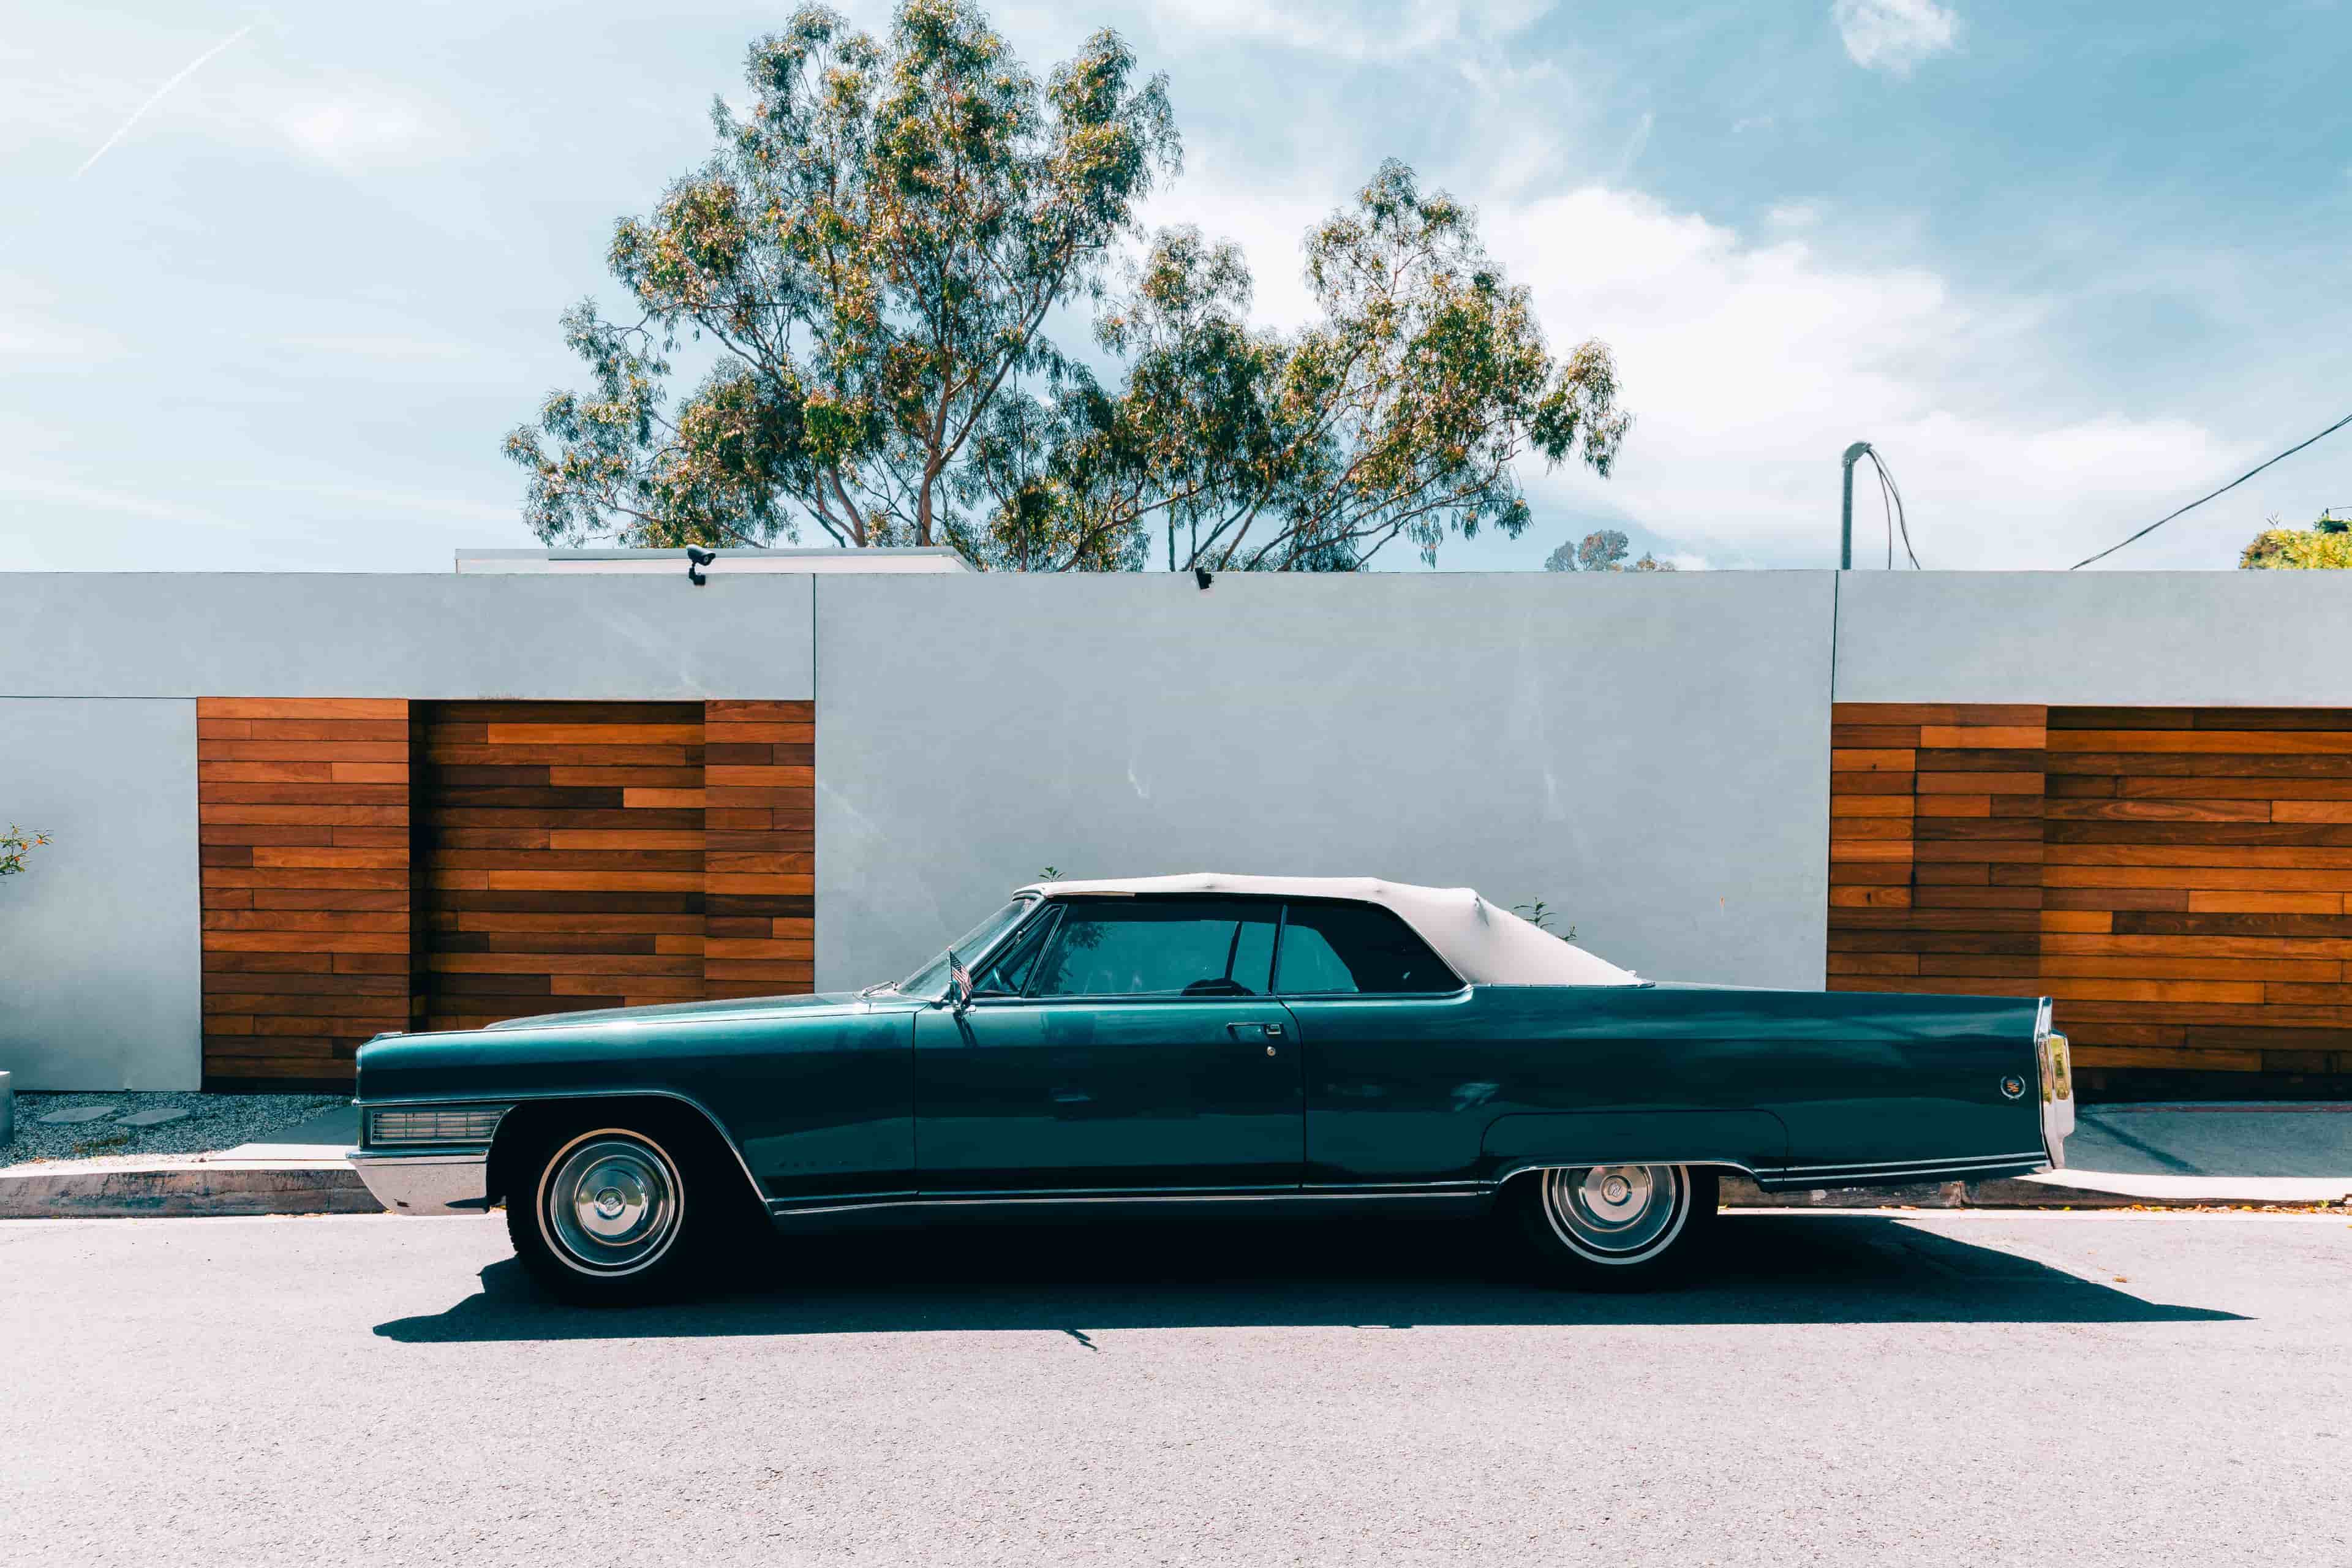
point(1616, 1213)
point(610, 1202)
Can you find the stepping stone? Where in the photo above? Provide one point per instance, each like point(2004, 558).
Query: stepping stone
point(79, 1114)
point(152, 1118)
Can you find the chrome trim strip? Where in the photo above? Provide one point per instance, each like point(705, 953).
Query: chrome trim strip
point(1886, 1175)
point(781, 1206)
point(1959, 1163)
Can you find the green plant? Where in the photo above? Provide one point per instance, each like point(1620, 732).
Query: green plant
point(1050, 874)
point(15, 845)
point(2325, 546)
point(1540, 915)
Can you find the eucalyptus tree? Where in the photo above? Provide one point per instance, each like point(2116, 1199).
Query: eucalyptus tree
point(874, 255)
point(874, 252)
point(1402, 412)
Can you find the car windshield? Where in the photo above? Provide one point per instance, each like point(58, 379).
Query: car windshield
point(931, 981)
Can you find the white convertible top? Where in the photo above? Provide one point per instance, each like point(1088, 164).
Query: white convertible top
point(1483, 943)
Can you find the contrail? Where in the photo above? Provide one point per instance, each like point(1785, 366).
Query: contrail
point(157, 97)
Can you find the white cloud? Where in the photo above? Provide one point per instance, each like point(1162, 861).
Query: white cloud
point(1893, 36)
point(391, 500)
point(358, 127)
point(1750, 366)
point(125, 503)
point(1374, 30)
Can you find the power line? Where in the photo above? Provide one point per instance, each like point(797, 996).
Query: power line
point(2201, 500)
point(1890, 495)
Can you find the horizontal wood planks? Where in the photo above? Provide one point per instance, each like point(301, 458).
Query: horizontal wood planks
point(2201, 858)
point(562, 850)
point(759, 907)
point(386, 865)
point(2179, 879)
point(1936, 844)
point(303, 833)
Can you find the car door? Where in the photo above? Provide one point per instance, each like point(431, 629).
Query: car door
point(1400, 1081)
point(1118, 1044)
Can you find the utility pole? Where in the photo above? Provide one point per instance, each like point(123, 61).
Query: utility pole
point(1853, 454)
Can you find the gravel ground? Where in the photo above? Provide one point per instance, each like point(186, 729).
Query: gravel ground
point(214, 1122)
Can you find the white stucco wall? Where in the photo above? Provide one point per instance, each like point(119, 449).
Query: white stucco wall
point(2152, 639)
point(1647, 754)
point(99, 957)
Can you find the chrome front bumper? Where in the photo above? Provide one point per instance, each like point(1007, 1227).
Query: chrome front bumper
point(425, 1181)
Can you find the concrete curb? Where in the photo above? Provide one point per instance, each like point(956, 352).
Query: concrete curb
point(185, 1189)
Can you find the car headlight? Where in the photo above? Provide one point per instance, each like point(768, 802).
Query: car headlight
point(438, 1126)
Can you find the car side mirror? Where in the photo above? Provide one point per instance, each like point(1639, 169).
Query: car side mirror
point(958, 996)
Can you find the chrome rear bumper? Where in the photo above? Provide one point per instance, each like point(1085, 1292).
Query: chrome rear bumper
point(425, 1181)
point(2057, 1097)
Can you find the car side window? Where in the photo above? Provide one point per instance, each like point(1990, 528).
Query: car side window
point(1159, 947)
point(1008, 975)
point(1356, 950)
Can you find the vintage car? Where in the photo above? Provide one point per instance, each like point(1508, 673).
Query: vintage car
point(1280, 1044)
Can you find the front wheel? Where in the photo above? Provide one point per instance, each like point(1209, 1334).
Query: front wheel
point(1614, 1226)
point(610, 1214)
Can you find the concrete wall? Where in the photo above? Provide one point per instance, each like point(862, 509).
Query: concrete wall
point(99, 938)
point(1648, 755)
point(2159, 639)
point(318, 634)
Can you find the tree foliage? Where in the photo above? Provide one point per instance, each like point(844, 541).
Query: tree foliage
point(1601, 551)
point(1401, 413)
point(2326, 545)
point(876, 252)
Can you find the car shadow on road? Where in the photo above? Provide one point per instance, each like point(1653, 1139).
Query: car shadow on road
point(1793, 1268)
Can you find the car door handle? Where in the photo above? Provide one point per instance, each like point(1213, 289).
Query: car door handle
point(1254, 1031)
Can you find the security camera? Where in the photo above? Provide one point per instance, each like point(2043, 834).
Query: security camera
point(696, 559)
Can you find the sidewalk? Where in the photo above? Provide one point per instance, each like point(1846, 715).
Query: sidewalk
point(2121, 1156)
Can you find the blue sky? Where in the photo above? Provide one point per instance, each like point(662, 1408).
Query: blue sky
point(2068, 263)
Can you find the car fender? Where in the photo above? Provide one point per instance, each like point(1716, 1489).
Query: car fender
point(1756, 1141)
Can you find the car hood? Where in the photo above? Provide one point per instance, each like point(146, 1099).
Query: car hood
point(732, 1007)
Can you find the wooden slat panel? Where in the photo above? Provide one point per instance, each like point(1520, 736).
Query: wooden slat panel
point(561, 846)
point(1947, 923)
point(2191, 870)
point(305, 933)
point(760, 783)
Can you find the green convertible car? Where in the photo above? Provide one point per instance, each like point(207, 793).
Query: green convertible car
point(1273, 1043)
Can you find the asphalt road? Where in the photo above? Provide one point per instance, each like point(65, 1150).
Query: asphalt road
point(1851, 1389)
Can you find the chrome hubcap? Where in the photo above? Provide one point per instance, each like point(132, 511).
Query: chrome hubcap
point(610, 1202)
point(1616, 1213)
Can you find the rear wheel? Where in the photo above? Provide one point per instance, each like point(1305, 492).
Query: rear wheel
point(611, 1213)
point(1614, 1226)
